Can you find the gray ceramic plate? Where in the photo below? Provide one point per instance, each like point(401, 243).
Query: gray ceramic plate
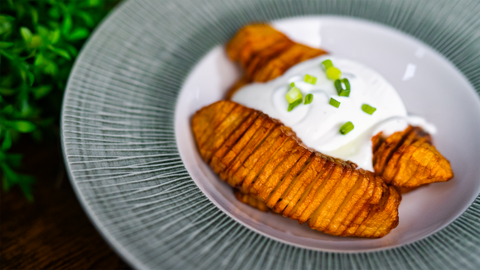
point(126, 139)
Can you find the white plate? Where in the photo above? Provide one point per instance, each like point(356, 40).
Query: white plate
point(429, 85)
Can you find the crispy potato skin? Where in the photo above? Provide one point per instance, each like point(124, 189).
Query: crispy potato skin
point(264, 54)
point(408, 160)
point(250, 200)
point(274, 170)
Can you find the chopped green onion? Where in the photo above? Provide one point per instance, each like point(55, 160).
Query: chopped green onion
point(333, 73)
point(293, 95)
point(310, 79)
point(308, 99)
point(335, 103)
point(292, 84)
point(294, 104)
point(368, 109)
point(327, 64)
point(343, 87)
point(346, 128)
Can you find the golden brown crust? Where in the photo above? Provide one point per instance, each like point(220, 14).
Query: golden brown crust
point(408, 160)
point(250, 200)
point(264, 54)
point(273, 168)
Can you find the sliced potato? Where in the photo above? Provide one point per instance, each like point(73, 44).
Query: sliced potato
point(273, 168)
point(284, 184)
point(280, 172)
point(250, 200)
point(257, 159)
point(413, 163)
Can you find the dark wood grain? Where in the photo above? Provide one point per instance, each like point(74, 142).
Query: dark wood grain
point(52, 232)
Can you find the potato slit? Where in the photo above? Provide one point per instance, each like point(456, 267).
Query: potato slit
point(299, 206)
point(319, 195)
point(284, 183)
point(231, 141)
point(321, 217)
point(353, 197)
point(280, 172)
point(272, 164)
point(262, 153)
point(299, 184)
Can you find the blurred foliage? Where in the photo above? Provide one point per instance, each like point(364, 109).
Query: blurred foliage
point(39, 39)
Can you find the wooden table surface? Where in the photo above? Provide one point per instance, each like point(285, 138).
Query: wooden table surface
point(53, 232)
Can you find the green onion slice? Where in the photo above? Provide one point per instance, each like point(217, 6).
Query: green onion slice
point(293, 95)
point(333, 73)
point(368, 109)
point(346, 128)
point(335, 103)
point(327, 64)
point(308, 99)
point(310, 79)
point(294, 104)
point(343, 87)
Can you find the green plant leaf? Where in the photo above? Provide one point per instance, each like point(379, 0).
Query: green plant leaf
point(4, 44)
point(7, 54)
point(26, 34)
point(79, 33)
point(9, 109)
point(41, 91)
point(54, 36)
point(94, 3)
point(73, 51)
point(51, 69)
point(34, 15)
point(6, 18)
point(87, 18)
point(9, 172)
point(39, 60)
point(32, 70)
point(22, 126)
point(43, 31)
point(7, 142)
point(36, 42)
point(67, 24)
point(5, 23)
point(54, 13)
point(7, 91)
point(31, 78)
point(63, 53)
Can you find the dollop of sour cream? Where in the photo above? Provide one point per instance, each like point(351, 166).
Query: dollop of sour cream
point(318, 123)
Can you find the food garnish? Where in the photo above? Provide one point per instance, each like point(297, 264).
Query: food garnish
point(343, 87)
point(308, 99)
point(310, 79)
point(335, 103)
point(368, 109)
point(270, 166)
point(346, 128)
point(333, 73)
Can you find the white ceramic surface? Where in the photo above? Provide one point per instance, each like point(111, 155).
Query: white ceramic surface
point(429, 85)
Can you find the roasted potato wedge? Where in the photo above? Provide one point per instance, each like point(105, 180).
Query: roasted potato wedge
point(273, 169)
point(407, 159)
point(265, 53)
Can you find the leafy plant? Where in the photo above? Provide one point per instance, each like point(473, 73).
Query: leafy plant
point(39, 40)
